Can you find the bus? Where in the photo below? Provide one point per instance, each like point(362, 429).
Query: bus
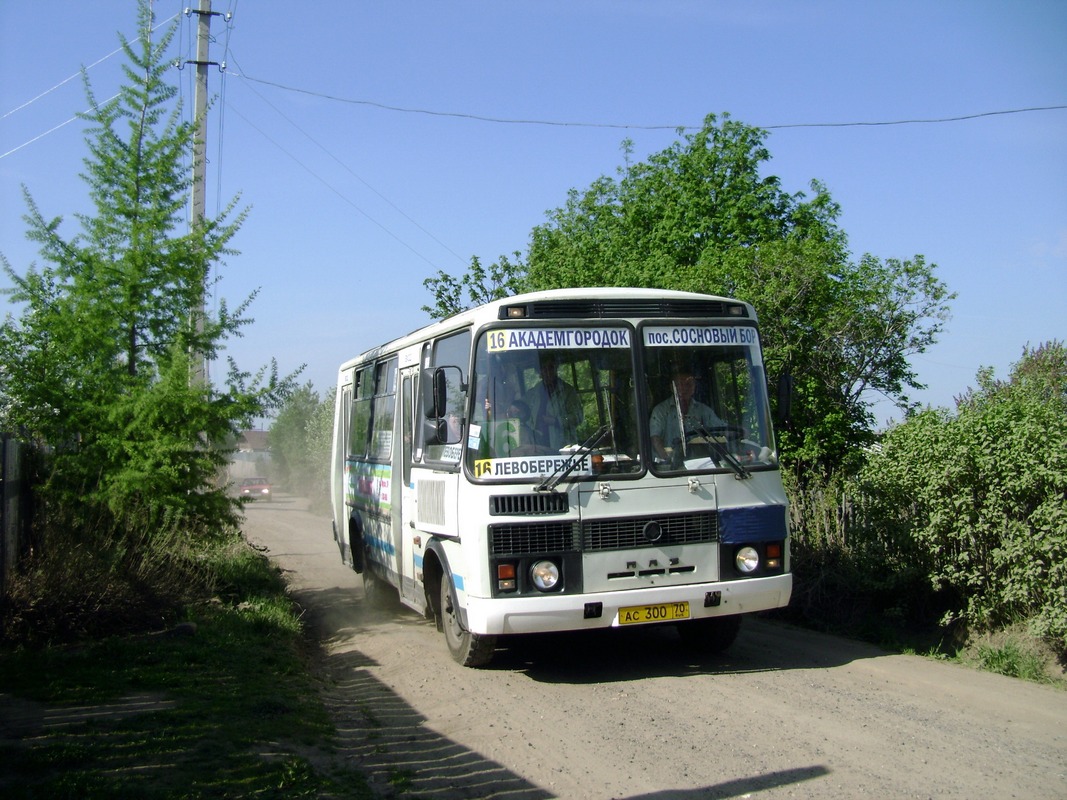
point(565, 460)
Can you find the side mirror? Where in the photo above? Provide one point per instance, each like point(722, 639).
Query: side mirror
point(442, 421)
point(435, 431)
point(440, 392)
point(435, 394)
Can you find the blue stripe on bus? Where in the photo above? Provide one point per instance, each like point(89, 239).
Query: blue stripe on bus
point(751, 524)
point(381, 545)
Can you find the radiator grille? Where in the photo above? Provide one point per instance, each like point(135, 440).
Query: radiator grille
point(628, 532)
point(601, 534)
point(528, 504)
point(533, 537)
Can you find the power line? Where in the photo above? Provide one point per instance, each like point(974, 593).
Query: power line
point(72, 77)
point(351, 172)
point(630, 126)
point(456, 114)
point(329, 186)
point(914, 121)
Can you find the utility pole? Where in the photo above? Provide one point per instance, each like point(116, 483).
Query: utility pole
point(203, 41)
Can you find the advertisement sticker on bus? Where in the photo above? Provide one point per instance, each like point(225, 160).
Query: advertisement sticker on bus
point(369, 485)
point(557, 338)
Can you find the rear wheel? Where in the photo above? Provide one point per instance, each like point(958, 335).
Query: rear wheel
point(468, 649)
point(711, 634)
point(376, 592)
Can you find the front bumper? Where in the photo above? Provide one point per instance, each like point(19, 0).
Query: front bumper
point(563, 612)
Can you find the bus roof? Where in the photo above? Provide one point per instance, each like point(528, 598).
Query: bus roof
point(590, 296)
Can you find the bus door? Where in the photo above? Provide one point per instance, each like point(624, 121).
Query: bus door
point(405, 515)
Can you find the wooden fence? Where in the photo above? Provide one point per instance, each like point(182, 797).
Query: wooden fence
point(15, 505)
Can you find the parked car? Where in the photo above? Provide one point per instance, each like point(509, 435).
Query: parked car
point(255, 489)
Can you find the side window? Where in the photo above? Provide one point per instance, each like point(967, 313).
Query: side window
point(441, 430)
point(362, 397)
point(346, 416)
point(384, 409)
point(406, 422)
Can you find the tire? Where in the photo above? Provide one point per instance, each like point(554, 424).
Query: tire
point(376, 592)
point(711, 634)
point(466, 648)
point(355, 547)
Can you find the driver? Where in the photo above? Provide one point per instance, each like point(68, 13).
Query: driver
point(679, 415)
point(555, 409)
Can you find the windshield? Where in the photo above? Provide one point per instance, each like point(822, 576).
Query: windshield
point(555, 402)
point(553, 398)
point(708, 399)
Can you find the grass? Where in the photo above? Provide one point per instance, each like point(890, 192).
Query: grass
point(1014, 652)
point(234, 710)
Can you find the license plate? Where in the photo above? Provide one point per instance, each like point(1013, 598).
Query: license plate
point(659, 612)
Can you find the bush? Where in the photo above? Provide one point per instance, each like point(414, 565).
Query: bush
point(87, 581)
point(983, 496)
point(853, 571)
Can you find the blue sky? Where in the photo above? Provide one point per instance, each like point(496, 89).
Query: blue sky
point(353, 205)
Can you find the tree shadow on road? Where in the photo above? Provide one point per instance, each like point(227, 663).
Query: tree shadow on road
point(390, 743)
point(386, 739)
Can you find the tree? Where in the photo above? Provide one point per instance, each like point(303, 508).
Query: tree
point(700, 216)
point(301, 438)
point(503, 278)
point(290, 459)
point(98, 363)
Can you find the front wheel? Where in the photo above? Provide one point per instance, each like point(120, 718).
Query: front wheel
point(711, 634)
point(468, 649)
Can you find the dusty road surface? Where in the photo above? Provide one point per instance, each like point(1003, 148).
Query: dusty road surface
point(787, 713)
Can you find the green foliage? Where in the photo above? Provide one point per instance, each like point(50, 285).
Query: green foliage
point(983, 493)
point(98, 364)
point(481, 285)
point(854, 572)
point(701, 216)
point(301, 439)
point(666, 218)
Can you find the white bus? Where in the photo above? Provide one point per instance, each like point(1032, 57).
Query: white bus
point(566, 460)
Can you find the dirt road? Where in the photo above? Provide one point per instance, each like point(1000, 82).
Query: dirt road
point(787, 713)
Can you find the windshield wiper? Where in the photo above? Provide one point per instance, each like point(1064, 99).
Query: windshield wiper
point(725, 455)
point(567, 467)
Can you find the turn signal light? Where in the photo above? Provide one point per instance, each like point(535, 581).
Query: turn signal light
point(505, 577)
point(774, 555)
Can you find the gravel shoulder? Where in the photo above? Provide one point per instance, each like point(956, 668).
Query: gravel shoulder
point(628, 714)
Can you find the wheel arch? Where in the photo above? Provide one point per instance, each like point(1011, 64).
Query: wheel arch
point(435, 570)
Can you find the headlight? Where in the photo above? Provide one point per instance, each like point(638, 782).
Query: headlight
point(747, 559)
point(545, 575)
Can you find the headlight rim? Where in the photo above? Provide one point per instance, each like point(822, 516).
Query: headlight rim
point(537, 577)
point(747, 559)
